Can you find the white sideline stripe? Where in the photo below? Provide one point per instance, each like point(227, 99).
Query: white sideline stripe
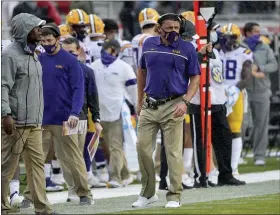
point(104, 193)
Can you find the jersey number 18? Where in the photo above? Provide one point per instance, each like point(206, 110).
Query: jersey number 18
point(230, 69)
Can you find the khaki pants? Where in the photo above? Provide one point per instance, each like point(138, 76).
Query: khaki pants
point(30, 141)
point(68, 152)
point(67, 172)
point(149, 123)
point(113, 136)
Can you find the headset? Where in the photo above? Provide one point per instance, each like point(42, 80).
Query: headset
point(179, 17)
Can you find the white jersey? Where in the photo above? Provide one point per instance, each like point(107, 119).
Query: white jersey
point(4, 44)
point(137, 43)
point(95, 49)
point(85, 51)
point(217, 86)
point(126, 52)
point(233, 64)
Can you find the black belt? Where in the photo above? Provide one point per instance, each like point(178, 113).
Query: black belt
point(154, 103)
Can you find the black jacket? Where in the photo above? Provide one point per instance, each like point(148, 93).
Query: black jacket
point(91, 95)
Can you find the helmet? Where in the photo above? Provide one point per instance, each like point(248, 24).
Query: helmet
point(231, 29)
point(96, 25)
point(77, 17)
point(64, 30)
point(265, 40)
point(230, 36)
point(189, 15)
point(148, 16)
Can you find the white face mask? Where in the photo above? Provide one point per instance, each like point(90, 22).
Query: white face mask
point(116, 37)
point(194, 43)
point(213, 37)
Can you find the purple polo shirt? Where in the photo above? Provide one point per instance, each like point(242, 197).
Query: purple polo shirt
point(168, 67)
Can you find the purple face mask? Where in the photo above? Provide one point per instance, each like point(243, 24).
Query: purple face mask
point(50, 48)
point(171, 36)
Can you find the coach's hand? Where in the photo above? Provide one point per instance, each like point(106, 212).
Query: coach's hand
point(138, 109)
point(8, 124)
point(73, 121)
point(180, 109)
point(98, 128)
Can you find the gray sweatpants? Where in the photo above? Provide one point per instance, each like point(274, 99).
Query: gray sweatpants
point(260, 108)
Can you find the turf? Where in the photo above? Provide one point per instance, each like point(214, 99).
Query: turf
point(272, 163)
point(265, 204)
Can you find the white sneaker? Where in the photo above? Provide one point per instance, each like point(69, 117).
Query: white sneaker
point(93, 181)
point(157, 178)
point(188, 179)
point(173, 204)
point(114, 184)
point(15, 200)
point(143, 201)
point(58, 179)
point(128, 181)
point(259, 162)
point(72, 197)
point(103, 175)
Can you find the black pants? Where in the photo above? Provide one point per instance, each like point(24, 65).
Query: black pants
point(221, 140)
point(163, 162)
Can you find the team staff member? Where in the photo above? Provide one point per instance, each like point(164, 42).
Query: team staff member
point(166, 66)
point(114, 78)
point(91, 101)
point(259, 91)
point(22, 109)
point(63, 83)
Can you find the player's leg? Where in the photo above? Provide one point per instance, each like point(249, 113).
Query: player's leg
point(235, 120)
point(222, 143)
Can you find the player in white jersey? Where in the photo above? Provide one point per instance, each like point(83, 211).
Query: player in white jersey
point(147, 19)
point(238, 68)
point(95, 36)
point(221, 133)
point(78, 22)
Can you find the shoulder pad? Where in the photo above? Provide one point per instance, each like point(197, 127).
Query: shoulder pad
point(125, 47)
point(247, 51)
point(142, 40)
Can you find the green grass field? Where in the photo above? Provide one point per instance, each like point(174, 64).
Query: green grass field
point(272, 163)
point(266, 204)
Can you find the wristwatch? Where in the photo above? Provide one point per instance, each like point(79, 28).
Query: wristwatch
point(97, 120)
point(186, 102)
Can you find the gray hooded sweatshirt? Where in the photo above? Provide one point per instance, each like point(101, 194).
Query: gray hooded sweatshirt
point(21, 84)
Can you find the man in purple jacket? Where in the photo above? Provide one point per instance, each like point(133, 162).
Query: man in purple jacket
point(63, 85)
